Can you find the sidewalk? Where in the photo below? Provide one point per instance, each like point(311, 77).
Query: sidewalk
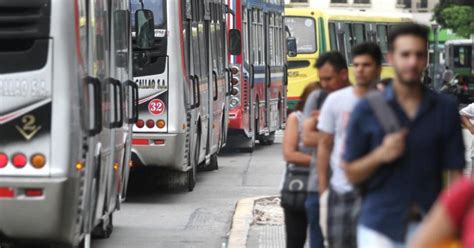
point(258, 223)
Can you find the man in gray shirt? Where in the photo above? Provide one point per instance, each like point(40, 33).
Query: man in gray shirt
point(333, 75)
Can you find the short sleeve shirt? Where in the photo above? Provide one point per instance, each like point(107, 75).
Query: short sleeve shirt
point(468, 111)
point(334, 119)
point(434, 144)
point(458, 201)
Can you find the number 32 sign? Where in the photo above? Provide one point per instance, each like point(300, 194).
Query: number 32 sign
point(156, 107)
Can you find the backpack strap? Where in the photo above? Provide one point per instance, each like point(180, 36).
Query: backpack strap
point(383, 112)
point(321, 98)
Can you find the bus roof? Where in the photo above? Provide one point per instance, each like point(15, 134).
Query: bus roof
point(348, 15)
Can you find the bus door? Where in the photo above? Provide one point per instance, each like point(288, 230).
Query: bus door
point(218, 75)
point(120, 69)
point(99, 68)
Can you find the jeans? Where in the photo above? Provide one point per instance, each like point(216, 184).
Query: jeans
point(368, 238)
point(316, 239)
point(296, 228)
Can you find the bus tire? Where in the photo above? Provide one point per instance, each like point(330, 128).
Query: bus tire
point(192, 173)
point(268, 140)
point(214, 164)
point(104, 230)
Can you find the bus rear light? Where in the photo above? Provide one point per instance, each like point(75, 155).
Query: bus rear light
point(160, 123)
point(116, 166)
point(3, 160)
point(235, 91)
point(235, 80)
point(19, 160)
point(7, 192)
point(234, 69)
point(234, 102)
point(150, 123)
point(159, 142)
point(140, 123)
point(38, 161)
point(139, 142)
point(33, 192)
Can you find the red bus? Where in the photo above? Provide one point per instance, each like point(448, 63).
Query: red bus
point(257, 108)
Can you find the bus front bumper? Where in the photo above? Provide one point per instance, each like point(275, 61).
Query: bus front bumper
point(50, 216)
point(163, 150)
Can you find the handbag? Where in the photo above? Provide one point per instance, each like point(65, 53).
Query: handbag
point(294, 189)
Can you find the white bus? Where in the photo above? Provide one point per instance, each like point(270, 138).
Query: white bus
point(183, 87)
point(67, 103)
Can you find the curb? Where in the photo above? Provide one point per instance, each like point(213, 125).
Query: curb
point(241, 221)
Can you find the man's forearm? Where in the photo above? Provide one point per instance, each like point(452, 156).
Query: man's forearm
point(322, 165)
point(466, 122)
point(361, 169)
point(310, 138)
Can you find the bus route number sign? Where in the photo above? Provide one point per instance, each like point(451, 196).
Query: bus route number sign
point(156, 107)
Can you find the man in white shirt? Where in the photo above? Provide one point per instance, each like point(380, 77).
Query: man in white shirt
point(344, 201)
point(467, 114)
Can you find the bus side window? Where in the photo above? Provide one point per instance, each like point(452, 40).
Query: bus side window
point(271, 39)
point(322, 35)
point(358, 32)
point(214, 36)
point(333, 36)
point(382, 40)
point(348, 41)
point(255, 37)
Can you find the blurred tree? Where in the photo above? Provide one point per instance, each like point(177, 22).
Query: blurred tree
point(456, 15)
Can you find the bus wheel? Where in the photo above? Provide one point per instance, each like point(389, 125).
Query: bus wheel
point(214, 165)
point(104, 230)
point(193, 171)
point(268, 140)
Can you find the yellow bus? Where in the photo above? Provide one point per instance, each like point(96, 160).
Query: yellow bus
point(319, 31)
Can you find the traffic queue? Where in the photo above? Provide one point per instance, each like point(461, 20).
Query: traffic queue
point(90, 89)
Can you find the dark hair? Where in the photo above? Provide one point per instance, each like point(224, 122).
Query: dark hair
point(307, 90)
point(368, 48)
point(414, 29)
point(336, 59)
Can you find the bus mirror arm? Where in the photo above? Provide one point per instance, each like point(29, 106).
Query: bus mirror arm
point(117, 102)
point(229, 81)
point(269, 76)
point(95, 93)
point(285, 74)
point(252, 76)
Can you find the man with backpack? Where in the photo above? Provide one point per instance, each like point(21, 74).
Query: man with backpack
point(398, 149)
point(333, 75)
point(343, 200)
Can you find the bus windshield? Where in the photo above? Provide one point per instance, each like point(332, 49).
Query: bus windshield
point(304, 30)
point(462, 56)
point(157, 6)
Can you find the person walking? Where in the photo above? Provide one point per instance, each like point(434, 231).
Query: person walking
point(400, 171)
point(298, 158)
point(467, 114)
point(343, 200)
point(333, 74)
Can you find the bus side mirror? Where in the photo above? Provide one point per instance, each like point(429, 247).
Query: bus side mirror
point(291, 46)
point(145, 28)
point(235, 42)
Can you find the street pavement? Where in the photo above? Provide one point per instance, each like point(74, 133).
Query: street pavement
point(202, 218)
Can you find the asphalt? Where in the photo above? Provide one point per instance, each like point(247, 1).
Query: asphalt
point(154, 217)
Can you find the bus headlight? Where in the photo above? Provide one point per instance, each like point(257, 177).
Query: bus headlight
point(235, 91)
point(234, 102)
point(235, 80)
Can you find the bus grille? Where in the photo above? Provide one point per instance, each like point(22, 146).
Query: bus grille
point(24, 19)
